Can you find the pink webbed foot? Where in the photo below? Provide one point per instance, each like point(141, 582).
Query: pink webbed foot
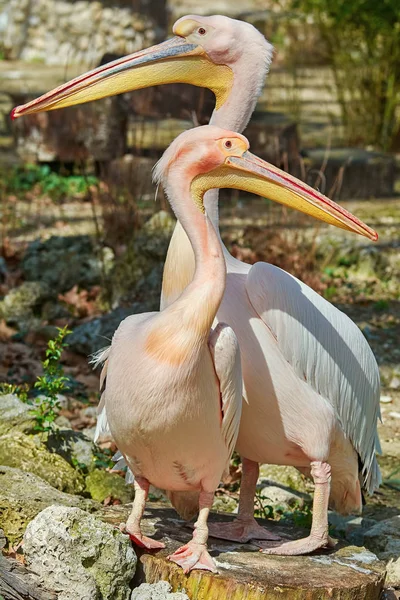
point(241, 531)
point(298, 547)
point(142, 541)
point(193, 556)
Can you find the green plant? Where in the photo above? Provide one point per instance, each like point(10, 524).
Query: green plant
point(264, 511)
point(103, 458)
point(50, 384)
point(19, 390)
point(47, 182)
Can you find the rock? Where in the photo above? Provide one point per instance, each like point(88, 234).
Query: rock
point(157, 591)
point(24, 452)
point(93, 335)
point(225, 504)
point(395, 383)
point(103, 484)
point(289, 477)
point(161, 222)
point(62, 262)
point(74, 446)
point(15, 415)
point(78, 555)
point(21, 305)
point(384, 538)
point(351, 527)
point(282, 498)
point(23, 496)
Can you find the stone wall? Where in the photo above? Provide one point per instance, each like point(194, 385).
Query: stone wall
point(78, 31)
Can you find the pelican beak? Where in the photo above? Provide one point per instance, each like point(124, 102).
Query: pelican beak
point(172, 61)
point(251, 174)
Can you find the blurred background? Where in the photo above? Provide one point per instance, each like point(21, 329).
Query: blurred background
point(83, 234)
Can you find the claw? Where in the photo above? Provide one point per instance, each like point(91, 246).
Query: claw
point(241, 531)
point(145, 542)
point(298, 547)
point(193, 556)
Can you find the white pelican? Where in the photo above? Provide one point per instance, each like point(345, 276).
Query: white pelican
point(311, 382)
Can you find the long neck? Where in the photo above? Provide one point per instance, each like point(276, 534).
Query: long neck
point(234, 114)
point(203, 295)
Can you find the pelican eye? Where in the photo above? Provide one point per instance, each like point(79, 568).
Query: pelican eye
point(228, 144)
point(201, 31)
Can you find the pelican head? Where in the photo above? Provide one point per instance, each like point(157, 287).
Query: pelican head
point(211, 52)
point(209, 157)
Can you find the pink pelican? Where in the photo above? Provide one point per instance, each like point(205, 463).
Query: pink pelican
point(311, 382)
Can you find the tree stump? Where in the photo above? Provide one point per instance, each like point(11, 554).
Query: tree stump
point(344, 573)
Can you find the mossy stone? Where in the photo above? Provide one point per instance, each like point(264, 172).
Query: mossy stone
point(15, 415)
point(24, 495)
point(27, 453)
point(103, 484)
point(287, 476)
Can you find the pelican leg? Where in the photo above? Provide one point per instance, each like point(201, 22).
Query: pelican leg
point(132, 527)
point(245, 527)
point(318, 538)
point(194, 554)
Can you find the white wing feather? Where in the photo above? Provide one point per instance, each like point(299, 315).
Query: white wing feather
point(326, 349)
point(225, 351)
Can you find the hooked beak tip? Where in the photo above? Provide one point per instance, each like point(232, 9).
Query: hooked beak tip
point(14, 114)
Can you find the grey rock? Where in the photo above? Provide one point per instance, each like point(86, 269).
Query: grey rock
point(287, 476)
point(283, 487)
point(157, 591)
point(73, 446)
point(351, 527)
point(79, 555)
point(384, 538)
point(97, 333)
point(23, 496)
point(21, 306)
point(15, 415)
point(27, 453)
point(62, 262)
point(283, 498)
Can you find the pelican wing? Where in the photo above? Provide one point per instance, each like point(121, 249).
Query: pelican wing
point(101, 359)
point(225, 352)
point(326, 349)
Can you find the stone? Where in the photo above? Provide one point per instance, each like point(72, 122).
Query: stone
point(225, 504)
point(161, 221)
point(78, 555)
point(15, 415)
point(27, 453)
point(346, 572)
point(93, 335)
point(22, 304)
point(74, 446)
point(351, 527)
point(24, 495)
point(103, 484)
point(282, 498)
point(62, 262)
point(384, 538)
point(157, 591)
point(289, 477)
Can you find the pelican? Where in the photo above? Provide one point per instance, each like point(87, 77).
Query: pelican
point(178, 386)
point(311, 382)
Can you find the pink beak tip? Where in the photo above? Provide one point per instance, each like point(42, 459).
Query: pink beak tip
point(13, 115)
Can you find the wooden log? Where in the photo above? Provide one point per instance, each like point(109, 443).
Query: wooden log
point(344, 573)
point(17, 583)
